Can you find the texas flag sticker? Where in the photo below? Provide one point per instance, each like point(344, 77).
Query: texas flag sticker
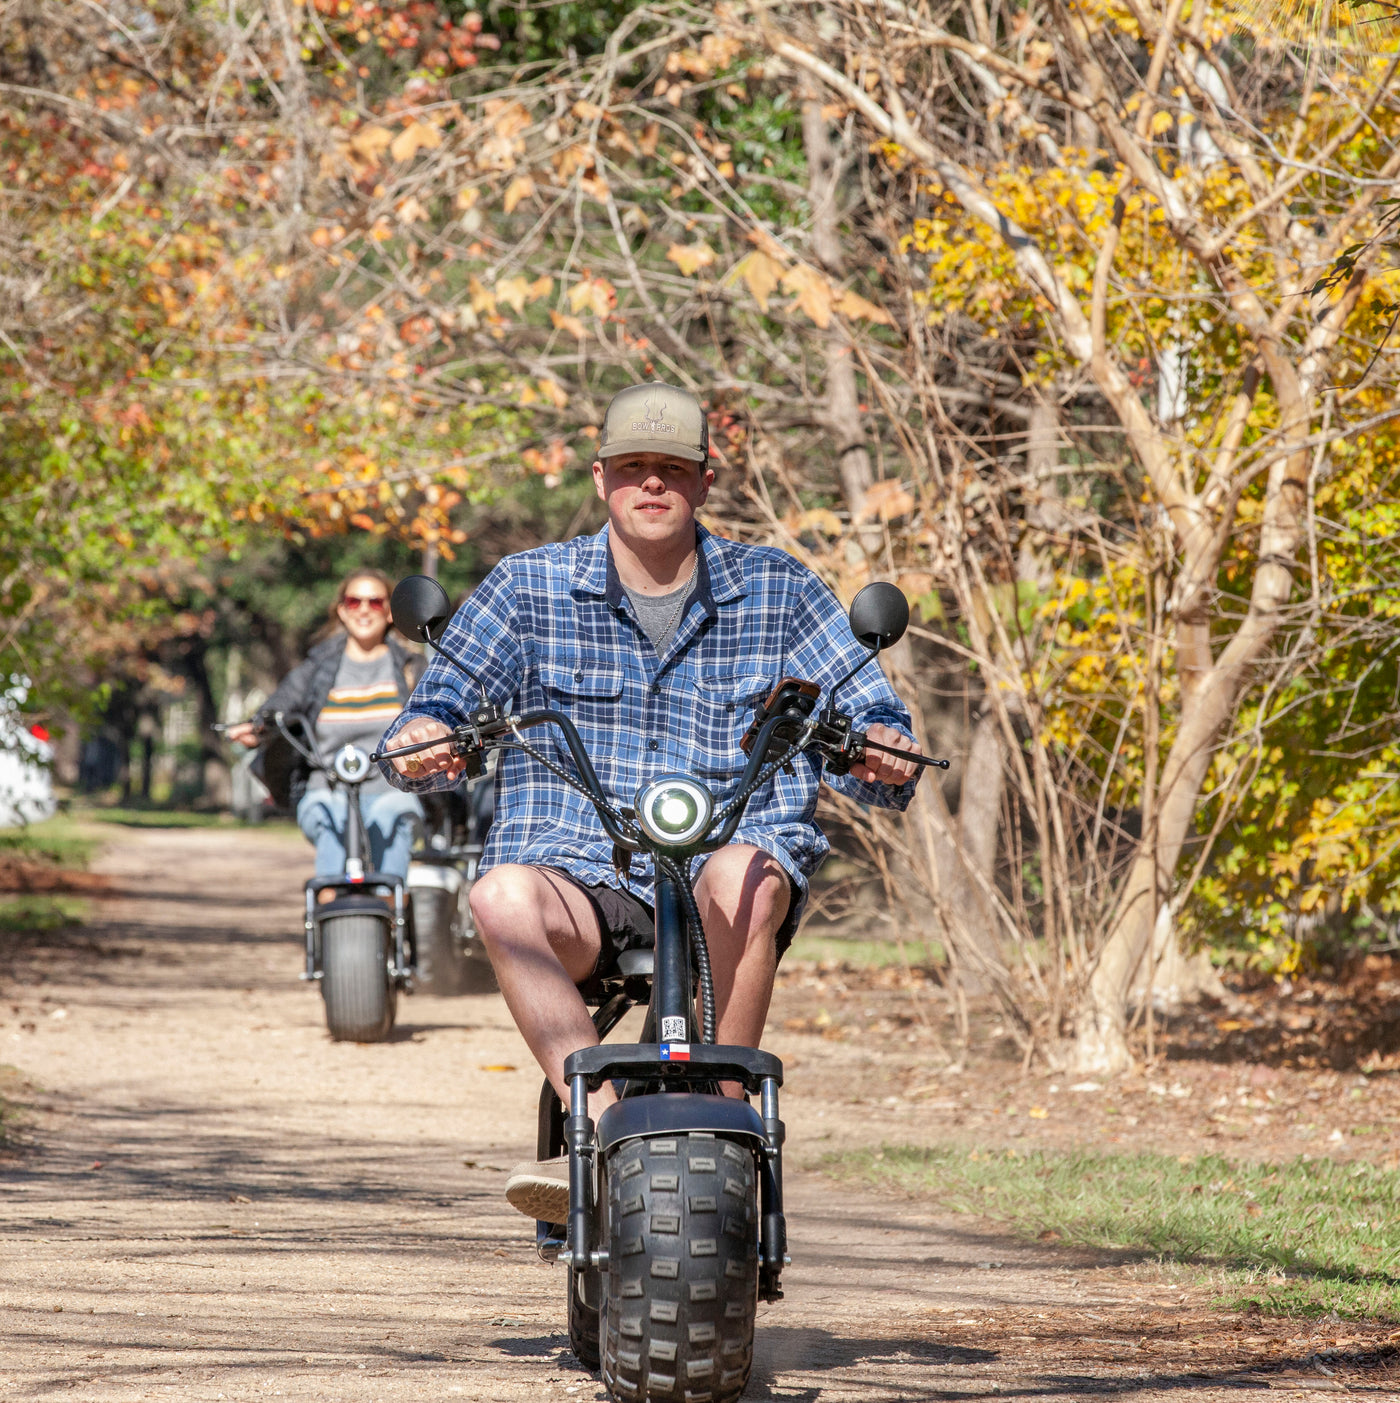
point(675, 1052)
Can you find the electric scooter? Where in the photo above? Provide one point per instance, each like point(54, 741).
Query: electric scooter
point(676, 1227)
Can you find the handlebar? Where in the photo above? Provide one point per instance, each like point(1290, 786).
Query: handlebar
point(829, 733)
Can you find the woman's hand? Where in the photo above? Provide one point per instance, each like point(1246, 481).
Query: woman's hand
point(880, 768)
point(245, 733)
point(426, 763)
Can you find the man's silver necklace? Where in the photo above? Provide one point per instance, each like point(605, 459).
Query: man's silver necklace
point(684, 593)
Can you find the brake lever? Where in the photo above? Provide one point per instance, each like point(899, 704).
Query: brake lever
point(835, 733)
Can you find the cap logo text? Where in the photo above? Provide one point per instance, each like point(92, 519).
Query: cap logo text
point(655, 420)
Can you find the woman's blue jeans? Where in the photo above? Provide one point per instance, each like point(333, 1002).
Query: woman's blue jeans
point(390, 820)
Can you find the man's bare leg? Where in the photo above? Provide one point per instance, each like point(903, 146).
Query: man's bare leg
point(542, 934)
point(743, 895)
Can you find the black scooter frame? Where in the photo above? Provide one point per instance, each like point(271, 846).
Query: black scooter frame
point(670, 1090)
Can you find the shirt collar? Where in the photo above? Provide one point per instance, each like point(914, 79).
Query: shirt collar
point(718, 580)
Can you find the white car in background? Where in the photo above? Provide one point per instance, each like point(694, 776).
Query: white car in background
point(26, 764)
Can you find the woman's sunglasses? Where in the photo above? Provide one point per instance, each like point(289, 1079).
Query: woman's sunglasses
point(376, 602)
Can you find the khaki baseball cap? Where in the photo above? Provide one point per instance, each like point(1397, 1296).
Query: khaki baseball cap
point(655, 418)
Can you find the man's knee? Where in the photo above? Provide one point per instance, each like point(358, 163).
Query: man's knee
point(505, 900)
point(750, 886)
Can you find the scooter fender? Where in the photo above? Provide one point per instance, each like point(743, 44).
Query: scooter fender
point(677, 1113)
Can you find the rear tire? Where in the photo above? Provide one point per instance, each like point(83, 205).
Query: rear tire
point(439, 968)
point(682, 1285)
point(446, 964)
point(360, 998)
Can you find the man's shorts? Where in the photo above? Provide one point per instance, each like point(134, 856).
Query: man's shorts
point(626, 922)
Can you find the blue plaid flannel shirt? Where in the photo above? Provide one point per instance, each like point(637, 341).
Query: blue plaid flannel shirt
point(553, 627)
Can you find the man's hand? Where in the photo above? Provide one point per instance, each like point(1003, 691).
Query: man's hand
point(880, 768)
point(245, 733)
point(426, 763)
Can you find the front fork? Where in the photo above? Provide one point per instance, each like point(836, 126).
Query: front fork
point(772, 1242)
point(401, 971)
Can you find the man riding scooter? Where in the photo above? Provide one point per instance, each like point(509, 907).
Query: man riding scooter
point(659, 640)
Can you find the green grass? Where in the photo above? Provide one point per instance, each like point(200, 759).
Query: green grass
point(59, 840)
point(12, 1111)
point(1304, 1237)
point(863, 954)
point(159, 818)
point(38, 911)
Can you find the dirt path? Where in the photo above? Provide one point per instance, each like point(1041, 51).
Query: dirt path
point(220, 1203)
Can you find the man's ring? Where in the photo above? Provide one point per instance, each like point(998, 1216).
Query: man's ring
point(413, 764)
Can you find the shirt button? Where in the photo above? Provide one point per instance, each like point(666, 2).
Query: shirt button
point(578, 676)
point(656, 689)
point(730, 707)
point(653, 745)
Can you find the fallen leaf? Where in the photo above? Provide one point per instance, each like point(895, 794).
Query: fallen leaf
point(586, 111)
point(761, 275)
point(596, 293)
point(1038, 1113)
point(239, 1198)
point(508, 118)
point(541, 287)
point(417, 136)
point(813, 292)
point(512, 292)
point(554, 392)
point(369, 142)
point(521, 188)
point(690, 258)
point(411, 210)
point(482, 301)
point(820, 519)
point(467, 196)
point(852, 304)
point(572, 325)
point(497, 1067)
point(886, 500)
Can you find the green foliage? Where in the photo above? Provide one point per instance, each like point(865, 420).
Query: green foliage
point(1305, 1236)
point(35, 914)
point(59, 841)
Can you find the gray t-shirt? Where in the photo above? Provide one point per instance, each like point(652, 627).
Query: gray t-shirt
point(660, 614)
point(358, 710)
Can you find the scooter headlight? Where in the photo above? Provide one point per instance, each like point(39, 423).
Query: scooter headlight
point(350, 763)
point(675, 810)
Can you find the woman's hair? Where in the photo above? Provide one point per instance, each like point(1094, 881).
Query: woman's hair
point(368, 573)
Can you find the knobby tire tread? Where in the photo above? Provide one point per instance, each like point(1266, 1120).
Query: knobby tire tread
point(682, 1292)
point(584, 1326)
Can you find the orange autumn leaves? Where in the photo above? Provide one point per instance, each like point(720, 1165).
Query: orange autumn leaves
point(771, 267)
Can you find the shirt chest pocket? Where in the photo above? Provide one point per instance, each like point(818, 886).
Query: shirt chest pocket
point(725, 704)
point(586, 694)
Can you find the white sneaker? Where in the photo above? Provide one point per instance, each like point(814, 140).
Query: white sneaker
point(541, 1191)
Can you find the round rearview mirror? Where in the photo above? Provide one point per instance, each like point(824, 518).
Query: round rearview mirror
point(420, 607)
point(879, 615)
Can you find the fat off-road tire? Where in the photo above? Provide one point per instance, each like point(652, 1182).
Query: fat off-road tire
point(583, 1322)
point(438, 963)
point(682, 1286)
point(445, 965)
point(360, 1001)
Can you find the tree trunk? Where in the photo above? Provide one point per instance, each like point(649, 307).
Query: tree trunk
point(979, 806)
point(842, 414)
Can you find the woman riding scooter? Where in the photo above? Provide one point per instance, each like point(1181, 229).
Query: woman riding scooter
point(350, 688)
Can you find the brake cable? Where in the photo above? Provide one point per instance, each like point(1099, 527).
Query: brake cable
point(558, 770)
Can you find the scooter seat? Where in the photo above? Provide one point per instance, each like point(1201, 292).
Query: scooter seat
point(636, 964)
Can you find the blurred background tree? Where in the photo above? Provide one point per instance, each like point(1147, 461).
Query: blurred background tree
point(1076, 320)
